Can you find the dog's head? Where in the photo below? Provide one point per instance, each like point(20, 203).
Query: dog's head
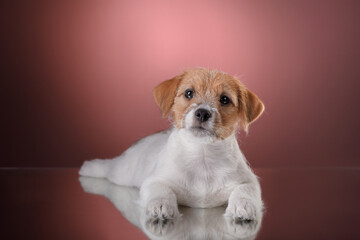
point(208, 103)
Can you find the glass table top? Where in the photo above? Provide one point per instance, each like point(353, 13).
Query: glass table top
point(307, 203)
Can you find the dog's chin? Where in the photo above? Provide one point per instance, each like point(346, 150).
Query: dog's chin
point(200, 132)
point(200, 135)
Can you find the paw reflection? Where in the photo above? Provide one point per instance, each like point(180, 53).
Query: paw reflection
point(242, 227)
point(159, 227)
point(194, 223)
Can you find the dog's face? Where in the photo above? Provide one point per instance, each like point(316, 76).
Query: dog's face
point(208, 103)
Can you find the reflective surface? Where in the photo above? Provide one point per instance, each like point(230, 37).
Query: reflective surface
point(57, 204)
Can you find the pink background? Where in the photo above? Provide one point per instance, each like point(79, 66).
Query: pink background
point(79, 75)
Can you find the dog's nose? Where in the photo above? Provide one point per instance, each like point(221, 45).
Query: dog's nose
point(202, 115)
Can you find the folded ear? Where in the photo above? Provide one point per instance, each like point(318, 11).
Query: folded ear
point(251, 108)
point(165, 93)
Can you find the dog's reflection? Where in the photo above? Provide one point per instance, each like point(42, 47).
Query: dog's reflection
point(195, 223)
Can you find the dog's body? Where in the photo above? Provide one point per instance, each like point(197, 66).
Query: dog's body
point(198, 162)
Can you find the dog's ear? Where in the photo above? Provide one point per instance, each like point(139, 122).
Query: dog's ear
point(165, 93)
point(251, 107)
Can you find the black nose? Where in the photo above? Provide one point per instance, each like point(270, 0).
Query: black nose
point(202, 115)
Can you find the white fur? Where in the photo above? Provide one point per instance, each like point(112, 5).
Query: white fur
point(185, 166)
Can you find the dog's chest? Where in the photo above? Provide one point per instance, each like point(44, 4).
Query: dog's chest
point(203, 194)
point(203, 175)
point(205, 184)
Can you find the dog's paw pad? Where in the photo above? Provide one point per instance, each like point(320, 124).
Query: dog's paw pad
point(162, 208)
point(241, 210)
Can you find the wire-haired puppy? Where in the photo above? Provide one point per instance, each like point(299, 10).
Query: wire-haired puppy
point(198, 162)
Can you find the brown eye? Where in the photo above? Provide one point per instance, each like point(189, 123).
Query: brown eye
point(189, 93)
point(224, 100)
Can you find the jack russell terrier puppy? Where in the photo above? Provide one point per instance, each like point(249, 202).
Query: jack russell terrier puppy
point(198, 162)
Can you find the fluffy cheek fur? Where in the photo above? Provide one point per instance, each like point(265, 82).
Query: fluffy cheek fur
point(180, 109)
point(229, 120)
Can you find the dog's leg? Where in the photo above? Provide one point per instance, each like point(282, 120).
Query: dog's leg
point(95, 168)
point(245, 202)
point(118, 170)
point(159, 200)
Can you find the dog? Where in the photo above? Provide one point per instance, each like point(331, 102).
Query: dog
point(197, 162)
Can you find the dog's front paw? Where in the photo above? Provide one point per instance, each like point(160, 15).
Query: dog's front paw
point(162, 208)
point(242, 209)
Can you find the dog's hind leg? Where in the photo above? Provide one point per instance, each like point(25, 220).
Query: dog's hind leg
point(95, 168)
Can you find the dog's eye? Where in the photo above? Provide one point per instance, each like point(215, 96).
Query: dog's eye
point(189, 93)
point(224, 100)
